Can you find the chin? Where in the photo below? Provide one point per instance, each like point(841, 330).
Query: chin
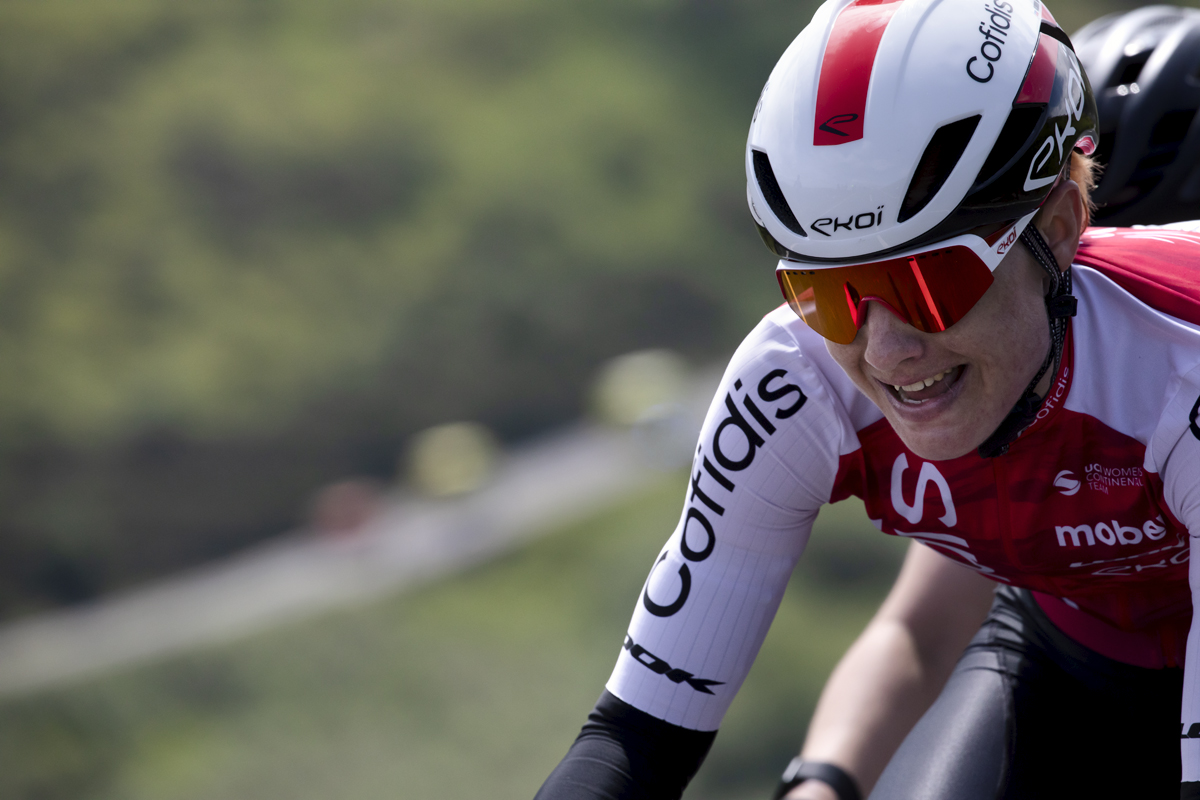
point(941, 445)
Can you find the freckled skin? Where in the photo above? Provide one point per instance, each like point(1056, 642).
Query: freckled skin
point(999, 344)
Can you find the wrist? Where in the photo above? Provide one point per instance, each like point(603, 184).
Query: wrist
point(812, 789)
point(800, 772)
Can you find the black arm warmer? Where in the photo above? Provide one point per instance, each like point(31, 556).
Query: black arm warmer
point(626, 754)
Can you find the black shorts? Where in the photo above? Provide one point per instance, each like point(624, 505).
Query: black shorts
point(1029, 713)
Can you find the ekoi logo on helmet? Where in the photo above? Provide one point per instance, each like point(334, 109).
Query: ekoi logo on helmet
point(837, 119)
point(1051, 152)
point(867, 219)
point(1007, 242)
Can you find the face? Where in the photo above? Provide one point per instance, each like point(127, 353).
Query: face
point(945, 393)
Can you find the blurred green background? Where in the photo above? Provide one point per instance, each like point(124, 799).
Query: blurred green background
point(248, 247)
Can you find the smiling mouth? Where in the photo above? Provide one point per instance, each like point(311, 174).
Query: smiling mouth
point(931, 387)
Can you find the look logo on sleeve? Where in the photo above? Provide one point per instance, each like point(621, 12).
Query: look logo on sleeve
point(1192, 420)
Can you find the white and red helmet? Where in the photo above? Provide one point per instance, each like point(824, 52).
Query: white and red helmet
point(889, 124)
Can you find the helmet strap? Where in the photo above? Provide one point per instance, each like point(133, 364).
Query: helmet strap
point(1060, 307)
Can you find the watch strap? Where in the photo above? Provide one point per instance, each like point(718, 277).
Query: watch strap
point(799, 770)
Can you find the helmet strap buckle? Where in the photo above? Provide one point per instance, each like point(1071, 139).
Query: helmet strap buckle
point(1063, 306)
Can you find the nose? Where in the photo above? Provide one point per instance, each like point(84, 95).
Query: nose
point(890, 341)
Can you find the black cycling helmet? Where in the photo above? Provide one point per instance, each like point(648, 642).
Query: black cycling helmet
point(1144, 67)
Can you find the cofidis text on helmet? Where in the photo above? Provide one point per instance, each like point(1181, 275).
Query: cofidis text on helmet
point(995, 32)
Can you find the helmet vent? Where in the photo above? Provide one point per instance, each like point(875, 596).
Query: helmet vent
point(773, 194)
point(1166, 136)
point(1019, 128)
point(1172, 128)
point(1055, 32)
point(937, 162)
point(1131, 70)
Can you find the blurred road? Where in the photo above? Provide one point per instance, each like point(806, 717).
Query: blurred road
point(411, 541)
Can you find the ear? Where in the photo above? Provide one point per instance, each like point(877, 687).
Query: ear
point(1061, 221)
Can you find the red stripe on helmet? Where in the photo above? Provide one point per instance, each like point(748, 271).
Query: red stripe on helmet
point(846, 70)
point(1046, 15)
point(1039, 80)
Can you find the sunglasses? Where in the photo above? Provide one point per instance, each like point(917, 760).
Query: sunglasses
point(930, 289)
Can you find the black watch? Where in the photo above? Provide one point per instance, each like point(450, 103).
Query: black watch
point(799, 770)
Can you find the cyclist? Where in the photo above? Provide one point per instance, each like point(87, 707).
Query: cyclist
point(1017, 394)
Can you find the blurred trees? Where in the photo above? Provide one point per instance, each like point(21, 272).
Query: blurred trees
point(250, 246)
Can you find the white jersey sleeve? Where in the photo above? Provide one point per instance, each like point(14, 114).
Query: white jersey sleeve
point(1181, 490)
point(766, 461)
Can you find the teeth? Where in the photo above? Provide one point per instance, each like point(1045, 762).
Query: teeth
point(919, 385)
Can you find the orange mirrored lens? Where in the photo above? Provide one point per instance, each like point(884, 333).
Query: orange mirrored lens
point(930, 291)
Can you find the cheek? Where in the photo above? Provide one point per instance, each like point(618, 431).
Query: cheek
point(1019, 347)
point(1034, 328)
point(849, 357)
point(1009, 327)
